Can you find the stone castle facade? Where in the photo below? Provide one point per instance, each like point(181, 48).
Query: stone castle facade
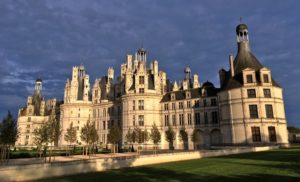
point(34, 114)
point(247, 109)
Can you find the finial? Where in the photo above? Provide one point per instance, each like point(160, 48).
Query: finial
point(240, 19)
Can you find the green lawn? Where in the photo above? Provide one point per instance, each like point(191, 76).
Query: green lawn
point(277, 165)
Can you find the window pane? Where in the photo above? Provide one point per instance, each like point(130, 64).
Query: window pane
point(269, 111)
point(256, 134)
point(251, 93)
point(253, 111)
point(249, 79)
point(272, 134)
point(267, 93)
point(266, 78)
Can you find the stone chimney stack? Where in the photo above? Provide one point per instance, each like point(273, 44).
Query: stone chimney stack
point(231, 65)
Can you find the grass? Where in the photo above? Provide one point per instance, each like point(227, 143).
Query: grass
point(277, 165)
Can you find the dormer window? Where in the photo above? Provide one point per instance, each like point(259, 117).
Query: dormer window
point(173, 96)
point(188, 95)
point(141, 80)
point(249, 78)
point(266, 78)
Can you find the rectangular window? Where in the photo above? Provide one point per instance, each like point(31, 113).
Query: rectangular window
point(180, 105)
point(141, 90)
point(173, 106)
point(28, 126)
point(197, 103)
point(272, 134)
point(214, 116)
point(249, 79)
point(181, 119)
point(253, 111)
point(141, 104)
point(141, 120)
point(189, 119)
point(166, 120)
point(251, 93)
point(256, 134)
point(27, 137)
point(133, 105)
point(133, 120)
point(188, 103)
point(141, 80)
point(266, 78)
point(213, 102)
point(205, 118)
point(104, 125)
point(197, 118)
point(269, 111)
point(29, 119)
point(166, 106)
point(267, 93)
point(174, 120)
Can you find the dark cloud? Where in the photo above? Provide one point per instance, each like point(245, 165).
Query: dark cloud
point(46, 38)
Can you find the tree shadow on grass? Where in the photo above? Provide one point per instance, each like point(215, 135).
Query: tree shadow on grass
point(158, 174)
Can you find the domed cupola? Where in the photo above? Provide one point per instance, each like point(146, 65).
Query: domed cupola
point(244, 58)
point(208, 84)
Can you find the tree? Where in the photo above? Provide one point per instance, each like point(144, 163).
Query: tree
point(155, 136)
point(89, 135)
point(130, 137)
point(53, 130)
point(141, 136)
point(8, 135)
point(183, 136)
point(293, 129)
point(114, 136)
point(170, 137)
point(40, 138)
point(71, 134)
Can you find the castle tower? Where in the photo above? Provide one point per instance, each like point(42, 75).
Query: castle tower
point(250, 99)
point(110, 73)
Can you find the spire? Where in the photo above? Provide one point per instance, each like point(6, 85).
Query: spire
point(175, 86)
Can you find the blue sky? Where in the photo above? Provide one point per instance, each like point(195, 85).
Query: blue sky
point(46, 38)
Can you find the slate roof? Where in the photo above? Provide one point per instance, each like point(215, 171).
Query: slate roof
point(244, 59)
point(195, 93)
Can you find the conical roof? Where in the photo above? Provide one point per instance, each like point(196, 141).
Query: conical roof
point(245, 59)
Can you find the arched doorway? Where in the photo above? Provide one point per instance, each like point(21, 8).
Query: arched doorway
point(185, 139)
point(198, 139)
point(215, 137)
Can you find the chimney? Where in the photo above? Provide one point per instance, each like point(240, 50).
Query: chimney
point(231, 65)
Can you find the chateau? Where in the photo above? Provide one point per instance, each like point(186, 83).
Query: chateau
point(35, 113)
point(247, 109)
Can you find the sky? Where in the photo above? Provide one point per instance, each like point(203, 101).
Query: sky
point(45, 39)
